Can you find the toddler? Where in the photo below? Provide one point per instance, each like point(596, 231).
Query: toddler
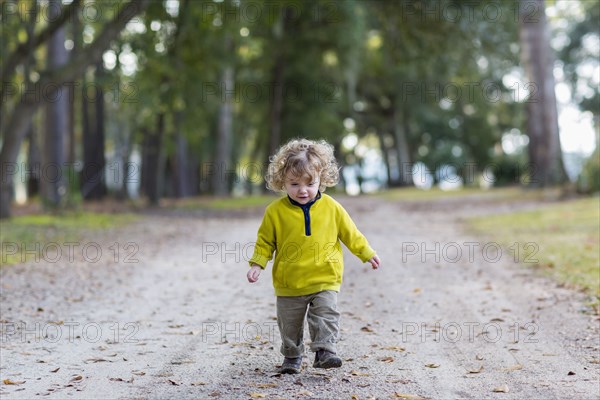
point(304, 229)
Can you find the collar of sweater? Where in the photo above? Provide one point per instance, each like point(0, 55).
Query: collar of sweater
point(307, 205)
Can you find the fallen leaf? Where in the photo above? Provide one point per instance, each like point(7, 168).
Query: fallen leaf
point(186, 361)
point(513, 368)
point(501, 389)
point(496, 320)
point(266, 385)
point(354, 397)
point(96, 360)
point(401, 381)
point(357, 373)
point(417, 290)
point(366, 329)
point(255, 395)
point(432, 365)
point(76, 378)
point(199, 383)
point(139, 373)
point(55, 370)
point(387, 359)
point(478, 357)
point(305, 393)
point(9, 382)
point(172, 382)
point(130, 380)
point(407, 396)
point(571, 373)
point(476, 370)
point(394, 348)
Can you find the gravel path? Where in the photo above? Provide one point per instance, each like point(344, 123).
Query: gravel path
point(175, 318)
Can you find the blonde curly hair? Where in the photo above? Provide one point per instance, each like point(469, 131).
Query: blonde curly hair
point(303, 157)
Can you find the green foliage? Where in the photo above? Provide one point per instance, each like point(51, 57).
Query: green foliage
point(509, 170)
point(581, 48)
point(382, 63)
point(446, 76)
point(589, 179)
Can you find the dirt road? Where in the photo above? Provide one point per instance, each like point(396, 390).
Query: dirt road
point(171, 315)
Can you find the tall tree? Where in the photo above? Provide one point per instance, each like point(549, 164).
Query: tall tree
point(545, 156)
point(93, 181)
point(223, 163)
point(57, 118)
point(151, 154)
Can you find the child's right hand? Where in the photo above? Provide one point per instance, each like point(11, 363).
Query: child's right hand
point(254, 273)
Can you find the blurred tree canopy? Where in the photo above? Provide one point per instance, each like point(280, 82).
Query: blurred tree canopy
point(184, 97)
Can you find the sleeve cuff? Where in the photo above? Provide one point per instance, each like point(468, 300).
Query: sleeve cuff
point(367, 254)
point(259, 260)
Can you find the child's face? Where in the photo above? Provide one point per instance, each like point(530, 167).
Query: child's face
point(302, 189)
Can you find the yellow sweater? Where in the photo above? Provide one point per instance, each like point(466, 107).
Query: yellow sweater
point(306, 241)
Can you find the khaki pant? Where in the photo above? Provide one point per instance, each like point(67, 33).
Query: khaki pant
point(320, 309)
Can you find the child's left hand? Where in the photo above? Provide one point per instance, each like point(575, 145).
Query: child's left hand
point(375, 261)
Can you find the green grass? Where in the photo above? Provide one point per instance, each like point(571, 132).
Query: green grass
point(28, 230)
point(435, 193)
point(567, 234)
point(226, 203)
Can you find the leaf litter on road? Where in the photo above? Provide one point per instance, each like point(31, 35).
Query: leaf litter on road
point(11, 382)
point(475, 370)
point(501, 389)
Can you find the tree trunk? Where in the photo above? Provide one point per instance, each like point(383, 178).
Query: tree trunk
point(223, 166)
point(33, 157)
point(278, 79)
point(276, 106)
point(93, 183)
point(54, 185)
point(151, 160)
point(386, 157)
point(77, 32)
point(545, 156)
point(181, 177)
point(401, 147)
point(34, 163)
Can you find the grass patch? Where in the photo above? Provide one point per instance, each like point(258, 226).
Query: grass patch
point(29, 231)
point(435, 193)
point(566, 237)
point(225, 203)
